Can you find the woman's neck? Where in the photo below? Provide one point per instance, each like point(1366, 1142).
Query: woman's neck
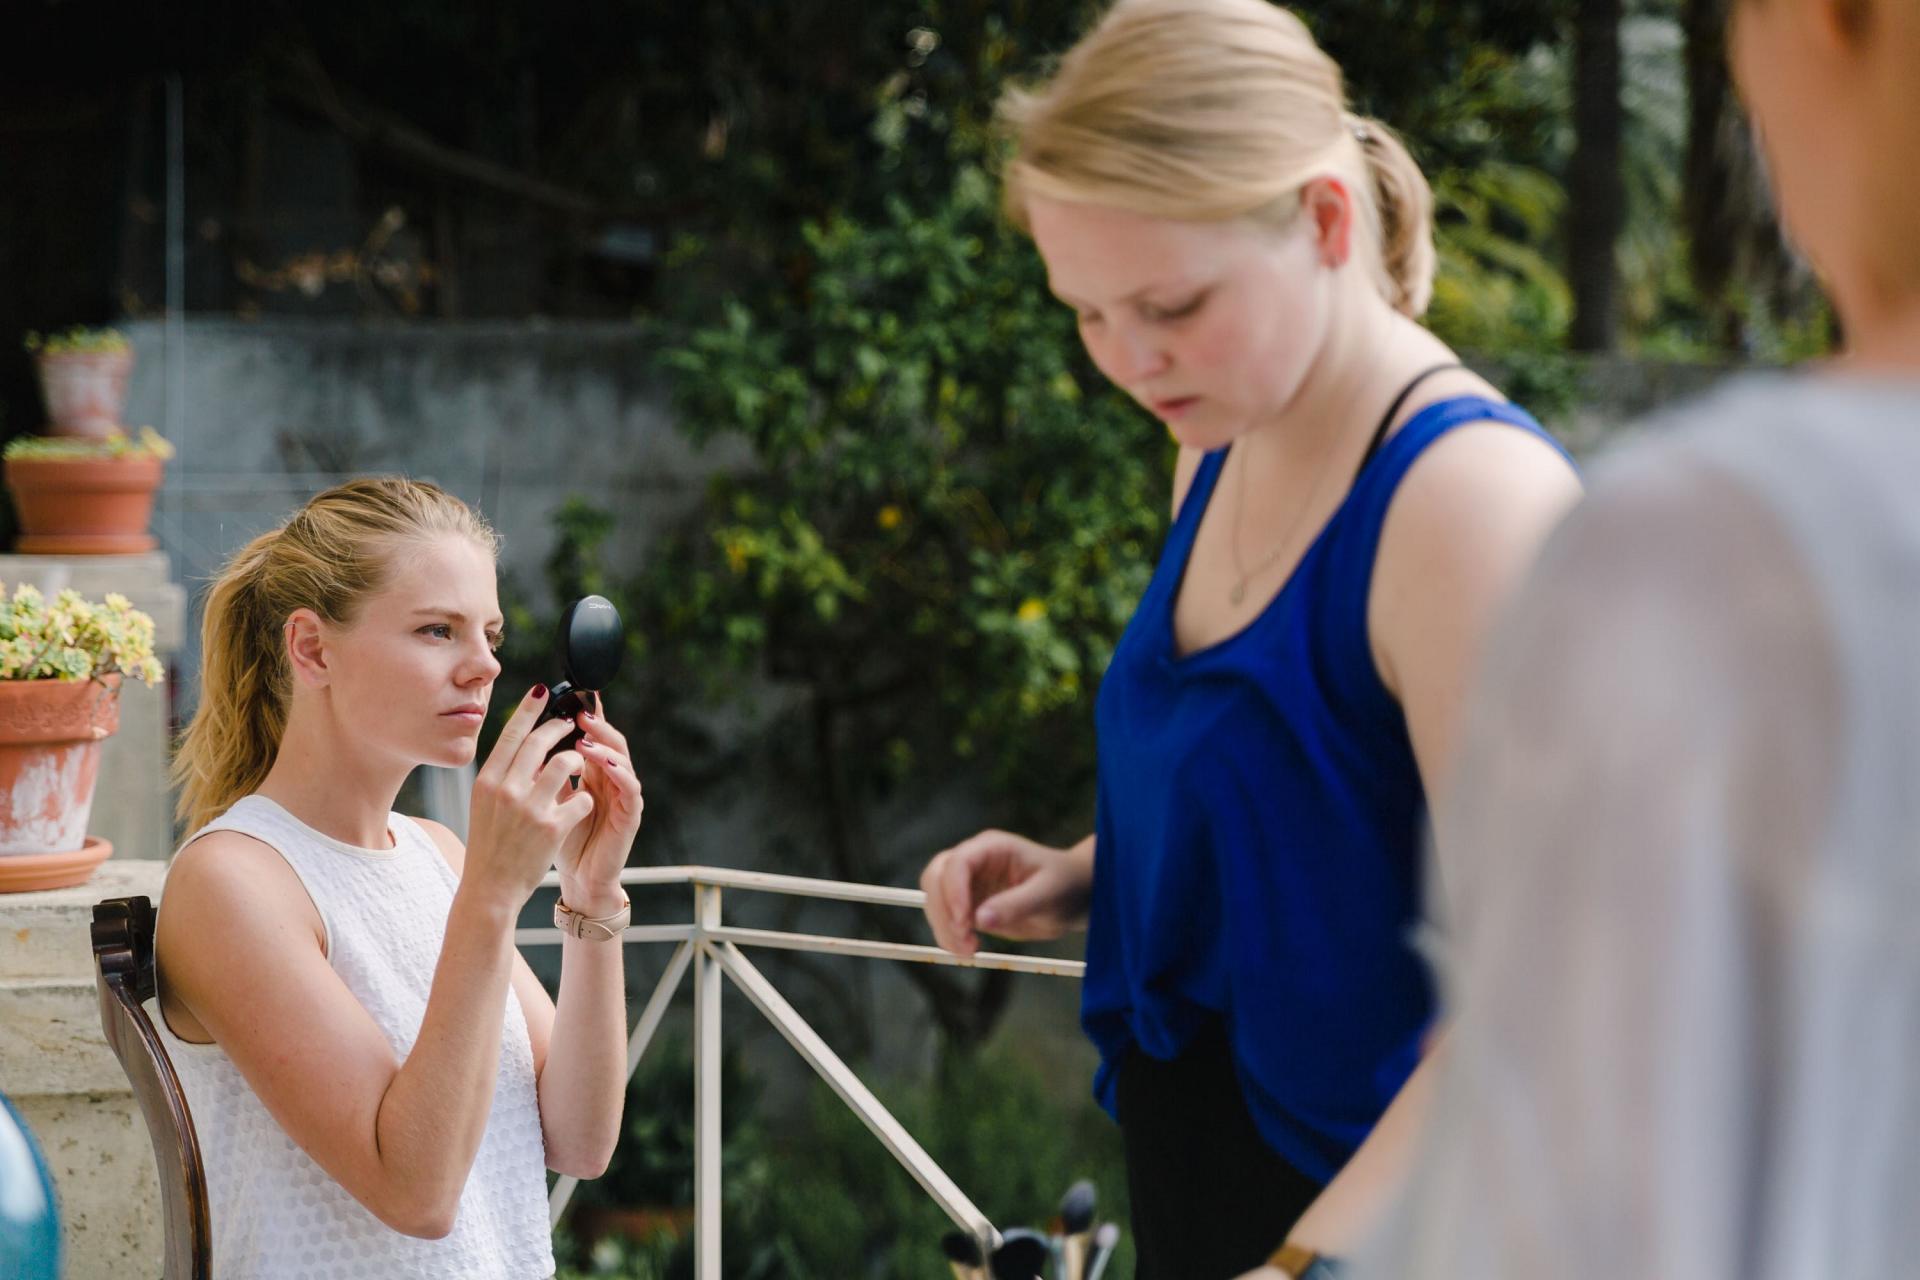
point(323, 777)
point(1883, 339)
point(1368, 345)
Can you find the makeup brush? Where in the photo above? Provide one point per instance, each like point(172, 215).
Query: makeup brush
point(1022, 1255)
point(963, 1255)
point(1076, 1227)
point(1105, 1241)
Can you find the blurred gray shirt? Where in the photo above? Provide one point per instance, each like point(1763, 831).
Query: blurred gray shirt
point(1677, 878)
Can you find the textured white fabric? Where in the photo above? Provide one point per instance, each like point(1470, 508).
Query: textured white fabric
point(278, 1214)
point(1680, 873)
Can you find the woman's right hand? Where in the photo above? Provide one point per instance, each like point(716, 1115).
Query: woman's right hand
point(523, 805)
point(1007, 885)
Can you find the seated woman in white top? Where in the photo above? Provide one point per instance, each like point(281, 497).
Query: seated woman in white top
point(378, 1081)
point(1683, 851)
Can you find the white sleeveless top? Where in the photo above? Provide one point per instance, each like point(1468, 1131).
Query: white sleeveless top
point(278, 1214)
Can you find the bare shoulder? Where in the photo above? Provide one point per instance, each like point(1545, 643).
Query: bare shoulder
point(1481, 473)
point(1460, 532)
point(229, 874)
point(229, 899)
point(450, 845)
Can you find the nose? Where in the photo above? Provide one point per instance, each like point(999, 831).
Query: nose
point(481, 666)
point(1131, 356)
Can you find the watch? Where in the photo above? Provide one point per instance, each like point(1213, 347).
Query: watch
point(1293, 1260)
point(603, 929)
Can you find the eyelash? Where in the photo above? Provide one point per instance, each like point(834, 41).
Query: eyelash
point(1149, 314)
point(494, 641)
point(1176, 313)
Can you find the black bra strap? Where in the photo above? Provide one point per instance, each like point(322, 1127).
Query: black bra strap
point(1380, 432)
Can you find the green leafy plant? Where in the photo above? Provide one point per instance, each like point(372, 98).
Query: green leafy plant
point(116, 444)
point(74, 638)
point(951, 515)
point(79, 340)
point(918, 579)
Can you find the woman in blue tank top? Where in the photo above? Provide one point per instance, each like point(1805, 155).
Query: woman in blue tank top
point(1248, 260)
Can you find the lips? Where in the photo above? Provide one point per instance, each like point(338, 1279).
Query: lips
point(1173, 406)
point(471, 712)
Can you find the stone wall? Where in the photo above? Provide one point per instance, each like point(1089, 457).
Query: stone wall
point(515, 418)
point(70, 1089)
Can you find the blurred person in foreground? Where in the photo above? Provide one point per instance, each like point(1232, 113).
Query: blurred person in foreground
point(1680, 864)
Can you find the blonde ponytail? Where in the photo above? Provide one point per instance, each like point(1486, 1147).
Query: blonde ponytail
point(1212, 110)
point(328, 557)
point(1403, 202)
point(235, 733)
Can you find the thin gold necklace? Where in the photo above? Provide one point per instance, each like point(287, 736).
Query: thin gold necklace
point(1246, 575)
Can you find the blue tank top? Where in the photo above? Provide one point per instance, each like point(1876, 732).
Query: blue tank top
point(1259, 833)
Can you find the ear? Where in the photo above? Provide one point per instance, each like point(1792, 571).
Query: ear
point(306, 641)
point(1328, 207)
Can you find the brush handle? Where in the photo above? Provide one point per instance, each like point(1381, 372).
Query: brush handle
point(1073, 1256)
point(1100, 1258)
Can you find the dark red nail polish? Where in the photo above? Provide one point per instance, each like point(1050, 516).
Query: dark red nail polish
point(539, 692)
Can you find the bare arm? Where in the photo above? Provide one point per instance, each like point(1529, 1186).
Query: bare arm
point(580, 1045)
point(1462, 532)
point(583, 1083)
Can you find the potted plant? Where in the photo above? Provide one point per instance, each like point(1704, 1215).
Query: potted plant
point(83, 378)
point(78, 496)
point(61, 664)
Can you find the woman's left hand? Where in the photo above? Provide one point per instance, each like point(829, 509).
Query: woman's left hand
point(595, 852)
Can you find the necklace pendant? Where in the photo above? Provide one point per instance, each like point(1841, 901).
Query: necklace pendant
point(1238, 593)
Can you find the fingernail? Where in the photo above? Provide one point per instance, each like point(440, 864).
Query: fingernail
point(539, 692)
point(989, 917)
point(588, 715)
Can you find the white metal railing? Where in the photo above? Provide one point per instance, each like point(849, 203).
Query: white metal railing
point(717, 951)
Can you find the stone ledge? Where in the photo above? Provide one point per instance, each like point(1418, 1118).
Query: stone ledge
point(54, 1043)
point(145, 579)
point(105, 1179)
point(47, 934)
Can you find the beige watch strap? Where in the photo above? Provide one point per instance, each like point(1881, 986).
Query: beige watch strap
point(1293, 1260)
point(602, 929)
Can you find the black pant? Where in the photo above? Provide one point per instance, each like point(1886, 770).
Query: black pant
point(1210, 1198)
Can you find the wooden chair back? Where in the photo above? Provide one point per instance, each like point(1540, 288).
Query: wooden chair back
point(124, 973)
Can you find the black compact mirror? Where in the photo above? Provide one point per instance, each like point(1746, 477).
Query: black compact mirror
point(592, 643)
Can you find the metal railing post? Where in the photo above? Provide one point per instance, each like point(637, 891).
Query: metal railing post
point(715, 953)
point(707, 981)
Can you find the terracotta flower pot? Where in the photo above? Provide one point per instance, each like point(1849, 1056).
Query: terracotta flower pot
point(50, 736)
point(85, 391)
point(84, 506)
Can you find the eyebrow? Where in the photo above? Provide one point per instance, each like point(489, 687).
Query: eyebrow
point(454, 615)
point(1135, 296)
